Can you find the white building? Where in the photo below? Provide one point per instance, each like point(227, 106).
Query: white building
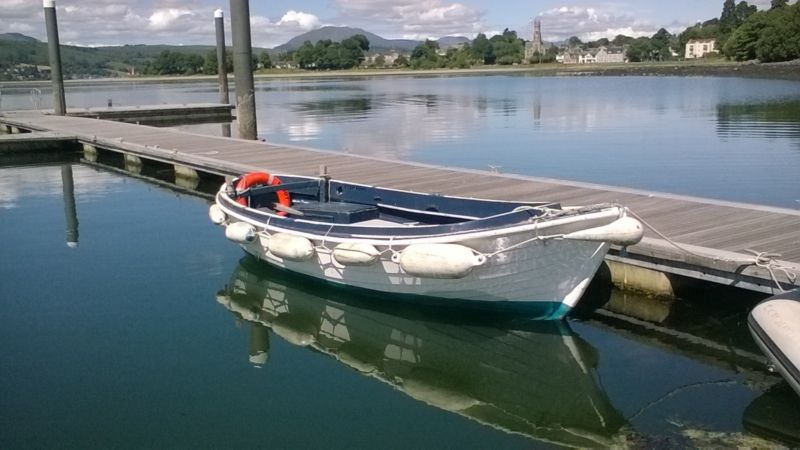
point(697, 48)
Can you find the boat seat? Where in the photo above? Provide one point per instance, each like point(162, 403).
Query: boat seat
point(336, 212)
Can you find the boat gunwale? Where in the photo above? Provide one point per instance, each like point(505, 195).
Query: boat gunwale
point(387, 236)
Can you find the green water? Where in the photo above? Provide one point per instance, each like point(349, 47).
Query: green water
point(154, 331)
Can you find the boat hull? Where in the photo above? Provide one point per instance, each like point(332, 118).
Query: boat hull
point(775, 326)
point(544, 279)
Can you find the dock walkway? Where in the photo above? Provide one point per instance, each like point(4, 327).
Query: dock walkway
point(713, 237)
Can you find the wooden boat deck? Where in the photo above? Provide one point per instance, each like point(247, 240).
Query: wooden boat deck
point(714, 235)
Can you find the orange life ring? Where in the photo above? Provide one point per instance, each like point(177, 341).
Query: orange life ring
point(262, 179)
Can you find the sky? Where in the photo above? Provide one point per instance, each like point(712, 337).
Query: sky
point(273, 22)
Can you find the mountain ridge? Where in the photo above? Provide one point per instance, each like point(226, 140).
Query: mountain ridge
point(376, 43)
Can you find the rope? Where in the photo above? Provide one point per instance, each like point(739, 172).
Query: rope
point(322, 245)
point(765, 260)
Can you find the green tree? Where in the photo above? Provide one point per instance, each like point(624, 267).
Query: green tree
point(482, 49)
point(305, 56)
point(574, 42)
point(778, 4)
point(401, 61)
point(727, 20)
point(265, 61)
point(425, 56)
point(621, 40)
point(743, 11)
point(661, 42)
point(772, 35)
point(460, 58)
point(642, 49)
point(507, 47)
point(210, 63)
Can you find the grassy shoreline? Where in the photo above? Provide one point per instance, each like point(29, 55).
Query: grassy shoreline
point(783, 71)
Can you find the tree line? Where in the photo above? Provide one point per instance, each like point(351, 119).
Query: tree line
point(178, 63)
point(742, 33)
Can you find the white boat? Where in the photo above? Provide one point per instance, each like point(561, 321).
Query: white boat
point(534, 257)
point(775, 325)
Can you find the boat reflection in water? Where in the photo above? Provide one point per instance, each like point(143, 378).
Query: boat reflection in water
point(775, 415)
point(534, 378)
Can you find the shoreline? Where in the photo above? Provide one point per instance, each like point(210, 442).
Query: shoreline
point(781, 71)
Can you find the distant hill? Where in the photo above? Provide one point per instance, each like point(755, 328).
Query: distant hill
point(17, 37)
point(87, 62)
point(376, 43)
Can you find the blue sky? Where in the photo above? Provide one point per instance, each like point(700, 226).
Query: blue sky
point(113, 22)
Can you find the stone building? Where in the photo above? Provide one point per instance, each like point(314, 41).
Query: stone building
point(535, 45)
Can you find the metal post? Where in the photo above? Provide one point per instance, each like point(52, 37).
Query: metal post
point(222, 70)
point(243, 70)
point(54, 47)
point(70, 211)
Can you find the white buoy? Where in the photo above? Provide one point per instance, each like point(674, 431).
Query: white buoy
point(623, 231)
point(291, 247)
point(240, 232)
point(355, 254)
point(438, 260)
point(216, 214)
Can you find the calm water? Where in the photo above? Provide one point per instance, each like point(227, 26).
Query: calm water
point(726, 138)
point(154, 331)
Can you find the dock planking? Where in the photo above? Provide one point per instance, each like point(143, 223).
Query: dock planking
point(712, 236)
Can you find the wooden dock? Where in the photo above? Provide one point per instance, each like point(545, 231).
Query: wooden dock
point(708, 239)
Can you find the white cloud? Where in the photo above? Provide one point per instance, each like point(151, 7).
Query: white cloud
point(162, 19)
point(302, 20)
point(590, 23)
point(430, 18)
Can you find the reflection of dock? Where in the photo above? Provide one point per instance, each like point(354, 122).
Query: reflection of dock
point(714, 235)
point(536, 379)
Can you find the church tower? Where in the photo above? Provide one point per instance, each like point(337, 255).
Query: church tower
point(535, 45)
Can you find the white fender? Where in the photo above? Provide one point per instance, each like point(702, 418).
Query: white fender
point(240, 232)
point(355, 254)
point(216, 214)
point(623, 231)
point(438, 260)
point(291, 247)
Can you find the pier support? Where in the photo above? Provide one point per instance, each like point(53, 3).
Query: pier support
point(54, 49)
point(70, 211)
point(222, 70)
point(259, 344)
point(243, 69)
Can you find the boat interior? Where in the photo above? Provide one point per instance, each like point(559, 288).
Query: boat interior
point(321, 199)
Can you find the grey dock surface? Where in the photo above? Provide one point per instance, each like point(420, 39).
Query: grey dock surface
point(710, 238)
